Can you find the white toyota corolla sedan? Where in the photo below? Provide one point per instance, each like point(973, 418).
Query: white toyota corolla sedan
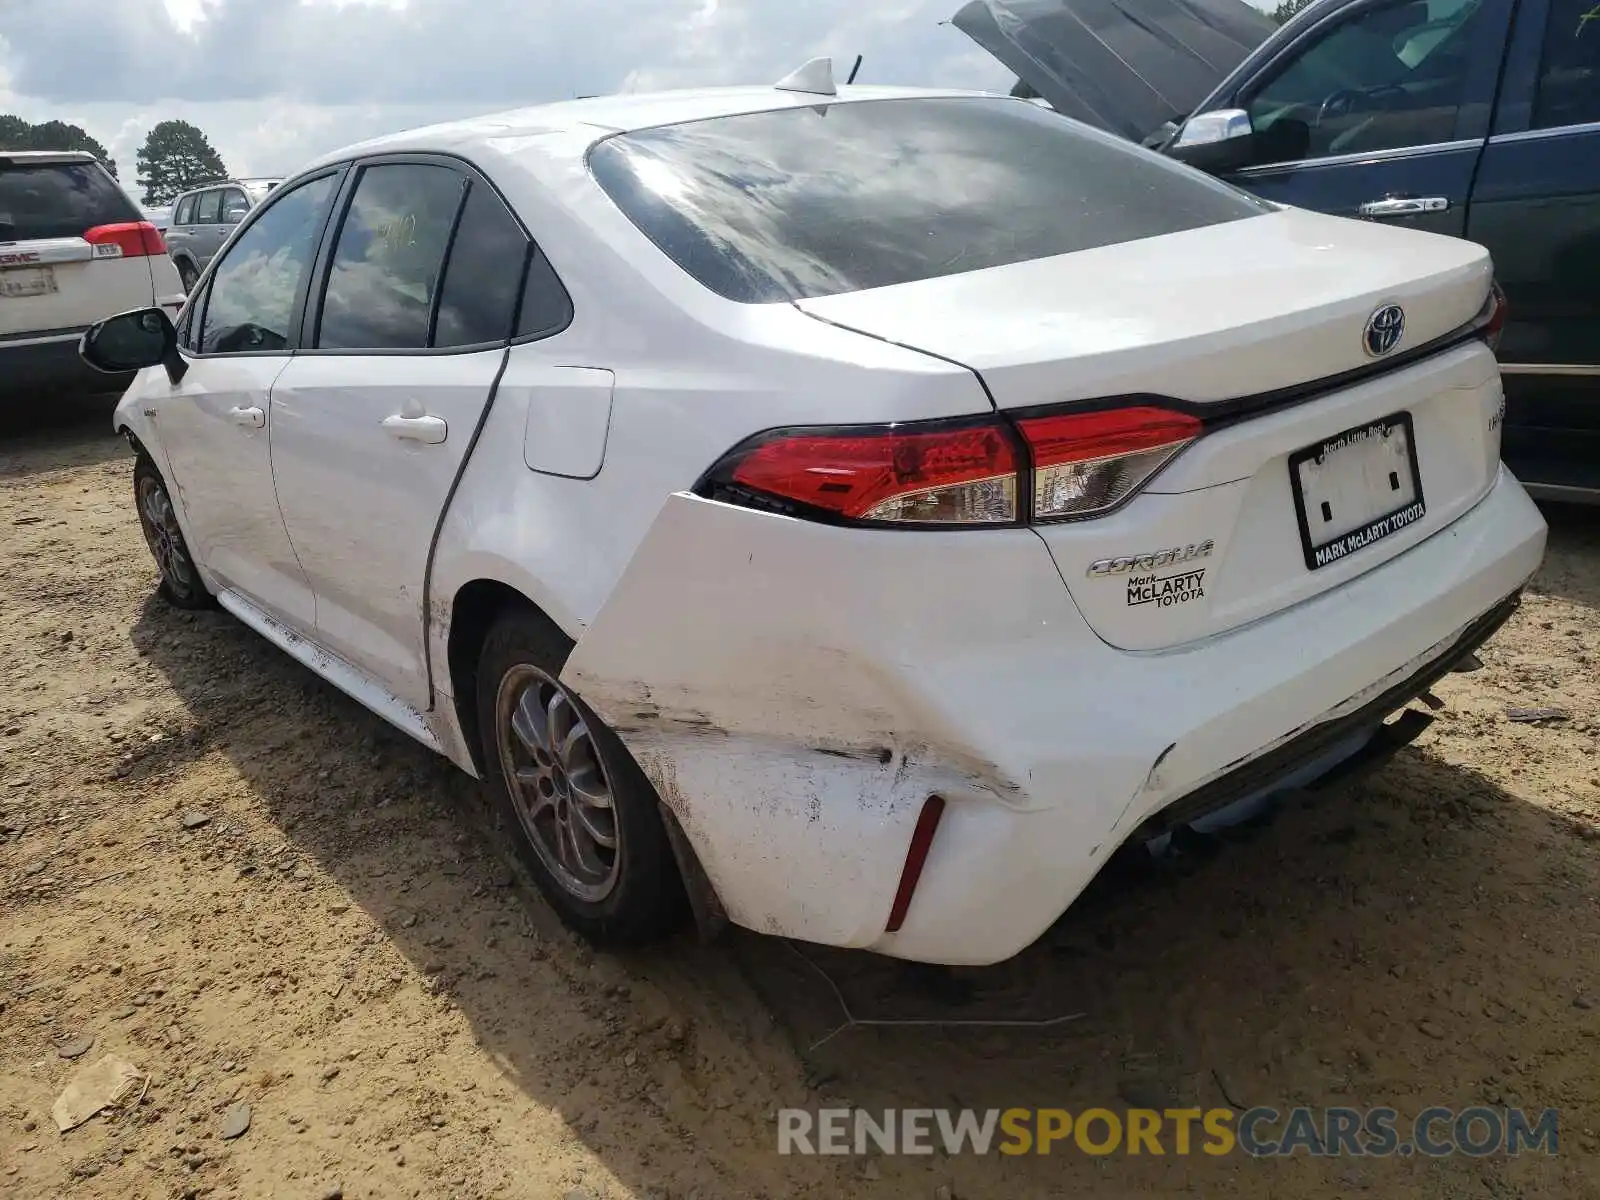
point(859, 512)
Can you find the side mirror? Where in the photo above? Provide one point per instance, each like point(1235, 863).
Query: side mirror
point(1217, 141)
point(134, 340)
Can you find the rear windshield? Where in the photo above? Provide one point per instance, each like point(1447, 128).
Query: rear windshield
point(56, 200)
point(815, 201)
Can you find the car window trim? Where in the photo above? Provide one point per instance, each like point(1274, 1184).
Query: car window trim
point(1474, 117)
point(311, 315)
point(1421, 150)
point(297, 311)
point(1545, 131)
point(1519, 75)
point(444, 263)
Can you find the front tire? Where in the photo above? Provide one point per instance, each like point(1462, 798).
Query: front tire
point(578, 811)
point(188, 276)
point(181, 586)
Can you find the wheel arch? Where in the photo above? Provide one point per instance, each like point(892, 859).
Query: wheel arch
point(475, 605)
point(474, 608)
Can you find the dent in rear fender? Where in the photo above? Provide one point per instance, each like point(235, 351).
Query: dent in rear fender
point(795, 692)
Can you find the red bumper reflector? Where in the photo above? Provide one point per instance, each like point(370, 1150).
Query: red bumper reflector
point(916, 856)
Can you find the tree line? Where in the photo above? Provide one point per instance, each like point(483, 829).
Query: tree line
point(1287, 9)
point(175, 157)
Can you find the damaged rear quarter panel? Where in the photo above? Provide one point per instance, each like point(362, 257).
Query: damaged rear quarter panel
point(782, 684)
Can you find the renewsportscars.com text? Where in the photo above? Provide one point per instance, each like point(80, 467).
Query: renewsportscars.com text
point(1259, 1132)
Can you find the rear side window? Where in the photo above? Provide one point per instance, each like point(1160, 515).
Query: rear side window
point(832, 198)
point(491, 262)
point(208, 208)
point(1569, 77)
point(479, 298)
point(389, 257)
point(58, 200)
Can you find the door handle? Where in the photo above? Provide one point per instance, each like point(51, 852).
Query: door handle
point(1404, 206)
point(251, 417)
point(428, 430)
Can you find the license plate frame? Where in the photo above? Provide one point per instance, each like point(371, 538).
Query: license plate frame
point(1324, 553)
point(24, 283)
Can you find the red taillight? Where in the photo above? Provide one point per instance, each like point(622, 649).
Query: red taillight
point(1494, 324)
point(968, 473)
point(1086, 463)
point(960, 475)
point(126, 239)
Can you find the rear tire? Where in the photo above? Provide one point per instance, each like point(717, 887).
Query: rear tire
point(576, 808)
point(181, 585)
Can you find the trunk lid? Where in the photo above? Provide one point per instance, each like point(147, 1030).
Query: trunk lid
point(1219, 319)
point(1126, 66)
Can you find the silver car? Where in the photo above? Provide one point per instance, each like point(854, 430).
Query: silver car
point(203, 219)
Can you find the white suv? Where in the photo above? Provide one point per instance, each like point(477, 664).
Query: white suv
point(868, 509)
point(73, 250)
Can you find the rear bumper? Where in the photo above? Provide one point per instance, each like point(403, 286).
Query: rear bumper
point(1324, 741)
point(38, 364)
point(797, 692)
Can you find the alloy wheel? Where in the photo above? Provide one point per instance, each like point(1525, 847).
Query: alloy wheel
point(160, 524)
point(558, 784)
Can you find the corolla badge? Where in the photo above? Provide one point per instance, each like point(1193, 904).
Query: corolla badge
point(1385, 328)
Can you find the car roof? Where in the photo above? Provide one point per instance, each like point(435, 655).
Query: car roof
point(47, 156)
point(243, 181)
point(601, 116)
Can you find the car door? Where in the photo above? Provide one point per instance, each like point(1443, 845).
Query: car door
point(205, 233)
point(372, 422)
point(180, 233)
point(214, 424)
point(1536, 206)
point(1380, 109)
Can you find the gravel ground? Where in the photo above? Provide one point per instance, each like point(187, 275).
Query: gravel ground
point(215, 866)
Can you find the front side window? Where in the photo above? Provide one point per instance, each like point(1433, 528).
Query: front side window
point(387, 263)
point(234, 206)
point(1392, 76)
point(208, 208)
point(1569, 75)
point(253, 289)
point(819, 200)
point(184, 213)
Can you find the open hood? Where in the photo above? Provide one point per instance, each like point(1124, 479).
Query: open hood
point(1127, 66)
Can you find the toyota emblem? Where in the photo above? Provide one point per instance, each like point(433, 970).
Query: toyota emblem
point(1385, 328)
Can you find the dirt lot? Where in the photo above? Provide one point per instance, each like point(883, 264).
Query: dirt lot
point(337, 945)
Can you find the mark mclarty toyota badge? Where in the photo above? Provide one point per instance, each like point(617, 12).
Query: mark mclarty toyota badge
point(1165, 591)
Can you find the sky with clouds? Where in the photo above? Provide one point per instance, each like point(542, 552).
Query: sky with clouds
point(275, 82)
